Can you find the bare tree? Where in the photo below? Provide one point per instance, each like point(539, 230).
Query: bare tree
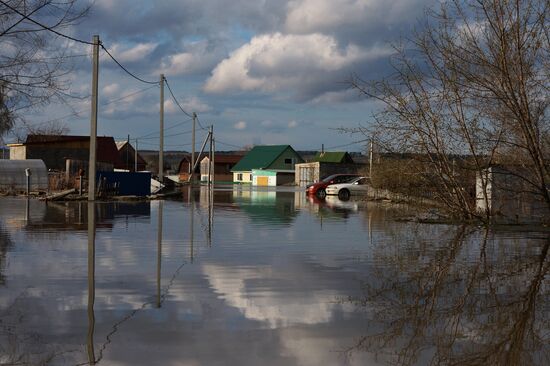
point(34, 62)
point(55, 128)
point(475, 82)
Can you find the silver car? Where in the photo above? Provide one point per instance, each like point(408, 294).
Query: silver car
point(359, 185)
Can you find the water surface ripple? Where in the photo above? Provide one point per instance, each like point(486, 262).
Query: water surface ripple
point(265, 278)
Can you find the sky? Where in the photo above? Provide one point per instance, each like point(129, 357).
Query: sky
point(260, 72)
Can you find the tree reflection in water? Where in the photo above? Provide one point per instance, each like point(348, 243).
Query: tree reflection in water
point(474, 299)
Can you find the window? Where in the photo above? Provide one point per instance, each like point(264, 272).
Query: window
point(289, 161)
point(250, 176)
point(240, 176)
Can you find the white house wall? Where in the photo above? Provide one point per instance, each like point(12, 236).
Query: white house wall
point(271, 180)
point(246, 177)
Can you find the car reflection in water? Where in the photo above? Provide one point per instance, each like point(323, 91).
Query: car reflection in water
point(334, 207)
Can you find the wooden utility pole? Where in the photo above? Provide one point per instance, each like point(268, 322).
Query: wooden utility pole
point(128, 153)
point(135, 157)
point(93, 121)
point(193, 148)
point(202, 149)
point(210, 157)
point(213, 157)
point(161, 147)
point(370, 160)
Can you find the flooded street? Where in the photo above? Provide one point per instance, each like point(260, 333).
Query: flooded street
point(265, 278)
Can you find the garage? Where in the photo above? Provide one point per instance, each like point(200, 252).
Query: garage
point(264, 178)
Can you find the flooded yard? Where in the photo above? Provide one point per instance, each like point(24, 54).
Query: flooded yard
point(265, 278)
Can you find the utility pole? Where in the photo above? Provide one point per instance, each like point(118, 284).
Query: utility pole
point(128, 153)
point(210, 158)
point(135, 157)
point(193, 148)
point(202, 149)
point(370, 160)
point(93, 121)
point(213, 157)
point(161, 149)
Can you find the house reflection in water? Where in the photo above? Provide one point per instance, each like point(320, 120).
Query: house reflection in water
point(266, 206)
point(73, 216)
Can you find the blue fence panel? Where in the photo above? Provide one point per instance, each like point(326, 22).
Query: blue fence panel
point(126, 183)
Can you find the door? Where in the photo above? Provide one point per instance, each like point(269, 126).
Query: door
point(262, 181)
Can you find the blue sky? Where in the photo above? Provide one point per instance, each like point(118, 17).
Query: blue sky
point(262, 72)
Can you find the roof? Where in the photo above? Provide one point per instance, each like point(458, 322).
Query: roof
point(106, 148)
point(121, 144)
point(259, 157)
point(333, 157)
point(226, 158)
point(40, 139)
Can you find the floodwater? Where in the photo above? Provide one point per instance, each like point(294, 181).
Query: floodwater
point(265, 278)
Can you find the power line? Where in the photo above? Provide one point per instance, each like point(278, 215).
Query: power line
point(76, 113)
point(129, 95)
point(44, 26)
point(166, 129)
point(156, 137)
point(77, 40)
point(230, 145)
point(200, 125)
point(125, 69)
point(175, 100)
point(345, 145)
point(169, 145)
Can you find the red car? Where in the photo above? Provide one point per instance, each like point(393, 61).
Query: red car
point(318, 188)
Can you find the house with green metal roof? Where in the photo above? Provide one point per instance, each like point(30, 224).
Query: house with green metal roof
point(267, 165)
point(325, 163)
point(339, 157)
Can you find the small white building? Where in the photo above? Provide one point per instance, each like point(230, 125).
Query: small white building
point(264, 178)
point(504, 195)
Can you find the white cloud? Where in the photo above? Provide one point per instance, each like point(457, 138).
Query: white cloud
point(292, 124)
point(132, 54)
point(170, 107)
point(241, 125)
point(194, 104)
point(277, 62)
point(197, 57)
point(333, 16)
point(306, 16)
point(338, 97)
point(110, 89)
point(190, 105)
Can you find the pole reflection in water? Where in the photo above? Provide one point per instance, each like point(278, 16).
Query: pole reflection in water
point(91, 281)
point(159, 250)
point(27, 210)
point(210, 214)
point(191, 225)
